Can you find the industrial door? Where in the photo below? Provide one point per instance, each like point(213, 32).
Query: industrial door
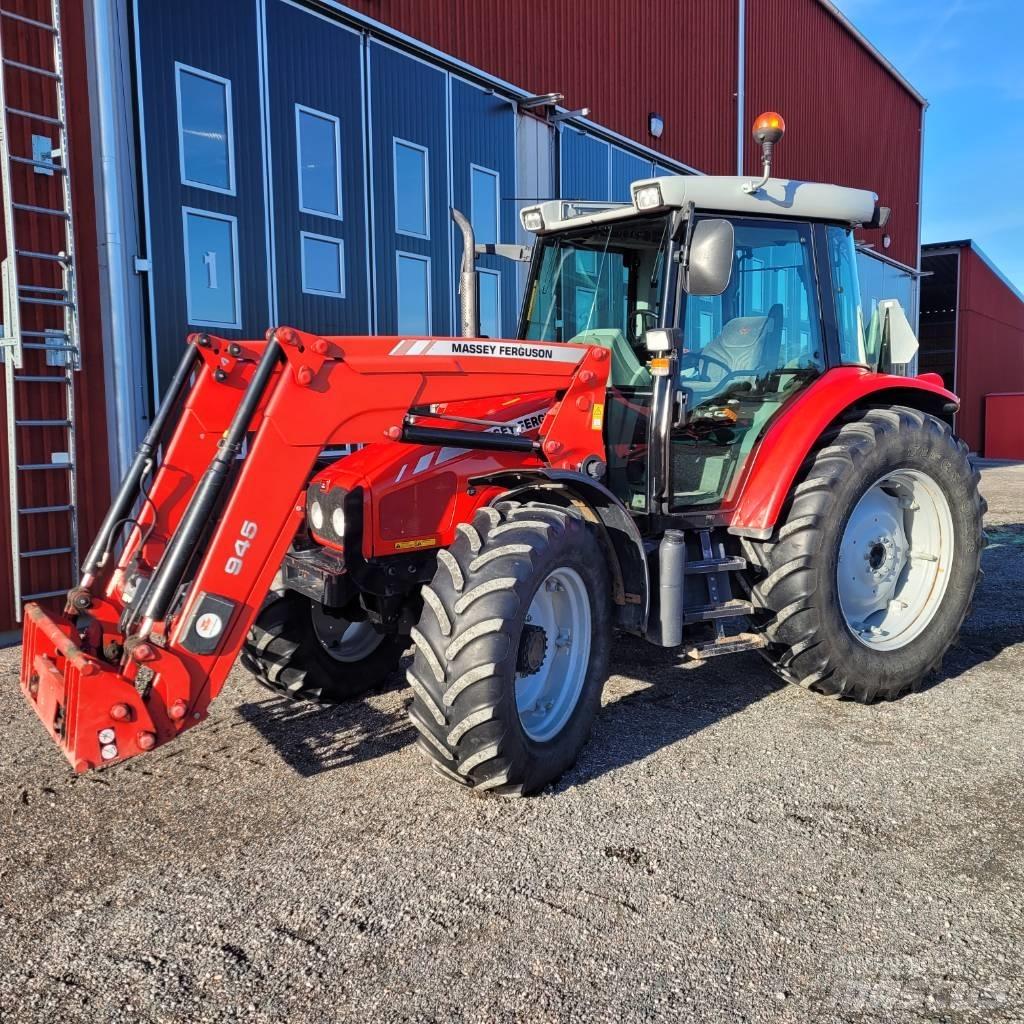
point(203, 177)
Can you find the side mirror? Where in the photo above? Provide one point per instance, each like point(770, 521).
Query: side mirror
point(708, 268)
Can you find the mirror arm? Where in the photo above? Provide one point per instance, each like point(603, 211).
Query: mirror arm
point(684, 253)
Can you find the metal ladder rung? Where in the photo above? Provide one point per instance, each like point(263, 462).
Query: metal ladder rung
point(36, 346)
point(34, 115)
point(41, 288)
point(45, 552)
point(45, 26)
point(38, 378)
point(27, 300)
point(52, 333)
point(37, 466)
point(45, 72)
point(44, 594)
point(42, 423)
point(45, 509)
point(54, 258)
point(27, 208)
point(55, 168)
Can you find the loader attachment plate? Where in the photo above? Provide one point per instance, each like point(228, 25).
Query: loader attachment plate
point(93, 713)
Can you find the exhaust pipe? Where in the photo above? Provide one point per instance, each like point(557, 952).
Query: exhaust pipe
point(469, 313)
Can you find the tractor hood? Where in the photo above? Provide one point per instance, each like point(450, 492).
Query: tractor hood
point(411, 493)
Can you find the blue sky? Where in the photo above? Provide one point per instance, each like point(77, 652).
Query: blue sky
point(966, 57)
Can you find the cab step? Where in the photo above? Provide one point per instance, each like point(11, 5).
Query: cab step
point(726, 645)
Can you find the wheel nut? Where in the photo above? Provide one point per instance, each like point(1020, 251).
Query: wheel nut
point(120, 712)
point(304, 375)
point(320, 347)
point(177, 710)
point(146, 740)
point(551, 447)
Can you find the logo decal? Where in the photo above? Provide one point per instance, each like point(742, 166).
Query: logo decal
point(209, 625)
point(422, 542)
point(496, 349)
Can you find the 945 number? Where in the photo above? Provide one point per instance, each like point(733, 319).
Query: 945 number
point(243, 542)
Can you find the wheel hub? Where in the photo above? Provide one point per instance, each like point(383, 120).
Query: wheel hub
point(893, 559)
point(533, 646)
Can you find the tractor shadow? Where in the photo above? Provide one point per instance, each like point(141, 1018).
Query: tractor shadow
point(314, 738)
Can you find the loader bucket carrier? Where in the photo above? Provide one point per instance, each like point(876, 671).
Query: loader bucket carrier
point(149, 637)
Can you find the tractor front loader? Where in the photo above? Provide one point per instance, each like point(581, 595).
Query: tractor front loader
point(698, 437)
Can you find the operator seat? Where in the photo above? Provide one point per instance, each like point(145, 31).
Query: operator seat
point(748, 345)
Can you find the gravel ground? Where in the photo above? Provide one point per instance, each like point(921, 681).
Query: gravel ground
point(728, 848)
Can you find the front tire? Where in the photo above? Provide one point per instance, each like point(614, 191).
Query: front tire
point(299, 649)
point(869, 575)
point(512, 648)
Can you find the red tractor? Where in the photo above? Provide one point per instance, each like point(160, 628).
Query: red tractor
point(694, 438)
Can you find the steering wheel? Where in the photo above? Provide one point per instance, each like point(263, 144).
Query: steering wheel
point(696, 360)
point(644, 315)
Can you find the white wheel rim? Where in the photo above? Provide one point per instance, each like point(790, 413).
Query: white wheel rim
point(343, 640)
point(546, 698)
point(894, 559)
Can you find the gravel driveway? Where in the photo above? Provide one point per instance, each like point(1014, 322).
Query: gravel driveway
point(728, 848)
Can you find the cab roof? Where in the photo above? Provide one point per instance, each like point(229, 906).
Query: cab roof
point(780, 197)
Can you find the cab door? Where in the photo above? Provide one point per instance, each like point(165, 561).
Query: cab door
point(744, 354)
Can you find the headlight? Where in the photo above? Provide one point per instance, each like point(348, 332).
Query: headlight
point(647, 197)
point(338, 521)
point(316, 515)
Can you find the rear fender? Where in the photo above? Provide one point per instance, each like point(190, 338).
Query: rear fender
point(776, 461)
point(616, 527)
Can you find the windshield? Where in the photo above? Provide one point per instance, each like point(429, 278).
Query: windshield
point(601, 285)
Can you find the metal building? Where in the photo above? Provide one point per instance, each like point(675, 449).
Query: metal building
point(972, 333)
point(267, 161)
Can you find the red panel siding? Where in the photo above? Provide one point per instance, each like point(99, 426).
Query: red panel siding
point(848, 121)
point(676, 57)
point(990, 344)
point(25, 91)
point(1004, 426)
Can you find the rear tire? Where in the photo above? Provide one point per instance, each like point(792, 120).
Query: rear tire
point(289, 650)
point(824, 570)
point(504, 693)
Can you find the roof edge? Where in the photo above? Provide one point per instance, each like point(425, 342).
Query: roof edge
point(934, 248)
point(873, 50)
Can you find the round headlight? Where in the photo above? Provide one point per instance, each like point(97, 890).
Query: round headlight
point(316, 515)
point(338, 521)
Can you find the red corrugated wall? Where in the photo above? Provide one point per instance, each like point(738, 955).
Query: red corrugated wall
point(990, 344)
point(623, 60)
point(26, 91)
point(1004, 426)
point(848, 121)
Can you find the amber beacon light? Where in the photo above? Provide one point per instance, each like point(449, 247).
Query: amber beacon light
point(768, 130)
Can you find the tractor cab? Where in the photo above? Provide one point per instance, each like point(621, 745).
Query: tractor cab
point(718, 302)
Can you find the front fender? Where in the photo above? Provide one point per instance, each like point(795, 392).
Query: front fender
point(631, 585)
point(772, 469)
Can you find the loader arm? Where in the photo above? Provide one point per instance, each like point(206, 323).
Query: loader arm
point(148, 638)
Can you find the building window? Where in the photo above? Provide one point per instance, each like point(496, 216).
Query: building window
point(318, 144)
point(413, 294)
point(490, 303)
point(323, 265)
point(412, 190)
point(206, 148)
point(484, 193)
point(211, 269)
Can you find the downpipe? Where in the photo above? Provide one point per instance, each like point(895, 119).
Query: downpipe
point(469, 312)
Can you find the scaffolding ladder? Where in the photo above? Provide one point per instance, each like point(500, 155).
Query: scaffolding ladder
point(40, 339)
